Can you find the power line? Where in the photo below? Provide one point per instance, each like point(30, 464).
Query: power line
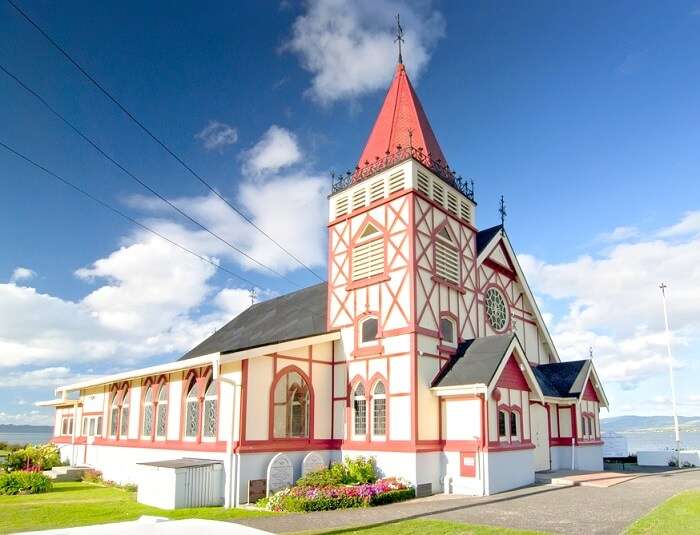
point(154, 137)
point(120, 213)
point(75, 129)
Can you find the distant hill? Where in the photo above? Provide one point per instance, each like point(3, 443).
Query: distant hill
point(12, 428)
point(620, 424)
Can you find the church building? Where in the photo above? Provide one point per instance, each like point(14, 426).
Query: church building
point(425, 349)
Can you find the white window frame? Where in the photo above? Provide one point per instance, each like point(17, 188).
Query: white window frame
point(148, 405)
point(381, 396)
point(192, 400)
point(162, 402)
point(359, 400)
point(360, 325)
point(210, 396)
point(455, 338)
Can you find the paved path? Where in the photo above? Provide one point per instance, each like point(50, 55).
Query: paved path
point(547, 508)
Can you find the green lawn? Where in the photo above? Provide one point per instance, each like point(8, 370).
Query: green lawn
point(426, 527)
point(79, 504)
point(679, 515)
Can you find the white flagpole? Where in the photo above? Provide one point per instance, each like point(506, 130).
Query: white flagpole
point(670, 370)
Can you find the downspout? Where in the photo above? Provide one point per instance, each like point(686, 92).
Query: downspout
point(484, 441)
point(72, 435)
point(231, 498)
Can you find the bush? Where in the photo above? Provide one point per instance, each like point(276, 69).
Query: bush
point(305, 499)
point(92, 476)
point(358, 471)
point(22, 482)
point(33, 458)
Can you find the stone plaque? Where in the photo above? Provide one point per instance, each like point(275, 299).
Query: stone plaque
point(257, 489)
point(280, 473)
point(313, 462)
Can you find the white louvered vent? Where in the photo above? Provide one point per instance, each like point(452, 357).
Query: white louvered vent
point(359, 199)
point(465, 211)
point(446, 262)
point(452, 202)
point(423, 183)
point(376, 190)
point(368, 260)
point(438, 193)
point(341, 205)
point(396, 182)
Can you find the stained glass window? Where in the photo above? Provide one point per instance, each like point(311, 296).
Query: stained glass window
point(114, 416)
point(210, 411)
point(496, 309)
point(162, 414)
point(192, 412)
point(291, 407)
point(379, 410)
point(360, 408)
point(148, 412)
point(502, 430)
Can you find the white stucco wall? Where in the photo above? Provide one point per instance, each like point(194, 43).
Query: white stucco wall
point(509, 470)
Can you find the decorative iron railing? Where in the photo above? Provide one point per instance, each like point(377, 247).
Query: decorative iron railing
point(345, 180)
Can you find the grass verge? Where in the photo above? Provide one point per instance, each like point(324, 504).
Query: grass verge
point(679, 515)
point(80, 504)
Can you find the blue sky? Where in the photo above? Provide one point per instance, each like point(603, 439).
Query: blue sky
point(584, 117)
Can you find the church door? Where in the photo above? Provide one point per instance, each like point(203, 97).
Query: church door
point(540, 436)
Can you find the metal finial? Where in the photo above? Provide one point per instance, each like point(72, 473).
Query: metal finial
point(502, 211)
point(590, 351)
point(399, 36)
point(410, 137)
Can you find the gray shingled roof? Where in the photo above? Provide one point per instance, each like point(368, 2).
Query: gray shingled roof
point(289, 317)
point(475, 362)
point(559, 379)
point(484, 237)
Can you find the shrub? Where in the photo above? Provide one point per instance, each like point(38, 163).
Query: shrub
point(92, 476)
point(358, 471)
point(23, 482)
point(33, 458)
point(305, 499)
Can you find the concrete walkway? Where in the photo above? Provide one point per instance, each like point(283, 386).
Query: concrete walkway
point(567, 509)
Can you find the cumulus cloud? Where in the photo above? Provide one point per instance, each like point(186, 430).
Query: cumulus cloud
point(22, 274)
point(278, 148)
point(690, 224)
point(618, 234)
point(42, 377)
point(217, 135)
point(348, 47)
point(613, 301)
point(33, 417)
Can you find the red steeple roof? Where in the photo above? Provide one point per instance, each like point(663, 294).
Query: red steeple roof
point(401, 112)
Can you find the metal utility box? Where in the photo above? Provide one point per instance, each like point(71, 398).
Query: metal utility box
point(181, 483)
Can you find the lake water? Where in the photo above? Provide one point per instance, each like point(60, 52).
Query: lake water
point(26, 438)
point(690, 440)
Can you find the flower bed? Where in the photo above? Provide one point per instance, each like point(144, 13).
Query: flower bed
point(305, 498)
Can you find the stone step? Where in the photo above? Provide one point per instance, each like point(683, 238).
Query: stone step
point(65, 473)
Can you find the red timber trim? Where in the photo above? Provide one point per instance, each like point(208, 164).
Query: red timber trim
point(589, 393)
point(120, 393)
point(510, 443)
point(503, 446)
point(448, 283)
point(369, 348)
point(512, 376)
point(500, 269)
point(593, 442)
point(457, 334)
point(272, 440)
point(199, 377)
point(186, 445)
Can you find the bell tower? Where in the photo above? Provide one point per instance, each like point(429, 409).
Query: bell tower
point(401, 288)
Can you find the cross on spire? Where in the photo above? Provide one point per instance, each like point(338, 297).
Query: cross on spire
point(663, 287)
point(399, 36)
point(253, 295)
point(503, 213)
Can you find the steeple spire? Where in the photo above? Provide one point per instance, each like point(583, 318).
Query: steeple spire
point(401, 123)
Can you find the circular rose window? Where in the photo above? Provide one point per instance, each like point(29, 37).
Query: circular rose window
point(496, 310)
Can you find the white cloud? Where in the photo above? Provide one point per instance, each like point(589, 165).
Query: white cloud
point(22, 273)
point(33, 417)
point(217, 135)
point(613, 302)
point(278, 148)
point(618, 234)
point(41, 377)
point(690, 224)
point(349, 48)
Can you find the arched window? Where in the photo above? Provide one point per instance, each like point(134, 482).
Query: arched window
point(368, 330)
point(147, 430)
point(209, 429)
point(124, 415)
point(447, 330)
point(379, 410)
point(502, 424)
point(514, 425)
point(114, 414)
point(192, 411)
point(162, 413)
point(291, 406)
point(359, 404)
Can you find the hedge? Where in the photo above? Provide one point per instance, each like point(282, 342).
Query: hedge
point(21, 482)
